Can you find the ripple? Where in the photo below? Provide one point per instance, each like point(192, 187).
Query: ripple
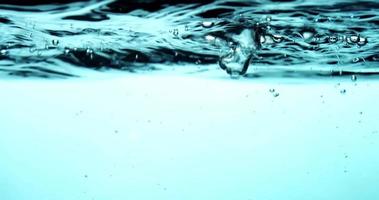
point(57, 39)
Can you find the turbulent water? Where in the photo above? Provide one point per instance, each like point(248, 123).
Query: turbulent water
point(243, 38)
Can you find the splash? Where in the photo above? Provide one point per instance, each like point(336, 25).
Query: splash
point(251, 39)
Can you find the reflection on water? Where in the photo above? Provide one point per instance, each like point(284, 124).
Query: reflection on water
point(303, 37)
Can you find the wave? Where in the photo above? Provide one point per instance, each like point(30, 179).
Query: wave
point(248, 38)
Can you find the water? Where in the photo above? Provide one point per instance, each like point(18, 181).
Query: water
point(244, 38)
point(187, 100)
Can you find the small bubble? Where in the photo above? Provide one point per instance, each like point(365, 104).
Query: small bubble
point(66, 51)
point(210, 38)
point(354, 38)
point(3, 52)
point(175, 32)
point(276, 94)
point(353, 78)
point(207, 24)
point(316, 38)
point(362, 41)
point(55, 42)
point(333, 39)
point(186, 28)
point(89, 51)
point(306, 35)
point(277, 38)
point(268, 18)
point(272, 90)
point(343, 91)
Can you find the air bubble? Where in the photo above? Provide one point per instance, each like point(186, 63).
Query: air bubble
point(277, 38)
point(210, 38)
point(207, 24)
point(3, 52)
point(66, 51)
point(55, 42)
point(268, 18)
point(271, 90)
point(352, 39)
point(276, 94)
point(89, 53)
point(307, 35)
point(175, 32)
point(353, 78)
point(343, 91)
point(333, 39)
point(362, 41)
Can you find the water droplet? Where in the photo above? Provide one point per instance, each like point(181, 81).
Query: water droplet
point(3, 52)
point(277, 38)
point(333, 39)
point(354, 78)
point(343, 91)
point(55, 42)
point(207, 24)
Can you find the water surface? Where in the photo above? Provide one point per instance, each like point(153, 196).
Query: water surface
point(251, 38)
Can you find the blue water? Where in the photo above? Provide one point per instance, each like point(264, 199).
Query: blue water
point(244, 38)
point(197, 105)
